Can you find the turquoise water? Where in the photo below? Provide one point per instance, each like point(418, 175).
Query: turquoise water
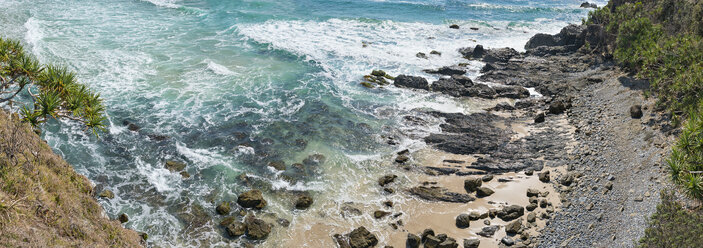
point(234, 85)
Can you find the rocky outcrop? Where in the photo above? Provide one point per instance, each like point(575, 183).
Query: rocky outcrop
point(435, 193)
point(362, 238)
point(413, 82)
point(251, 199)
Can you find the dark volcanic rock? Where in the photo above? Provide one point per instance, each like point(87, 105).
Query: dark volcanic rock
point(463, 221)
point(471, 184)
point(413, 82)
point(251, 199)
point(362, 238)
point(510, 212)
point(386, 180)
point(570, 38)
point(539, 118)
point(303, 202)
point(589, 5)
point(257, 229)
point(472, 243)
point(488, 231)
point(435, 193)
point(447, 70)
point(454, 26)
point(499, 55)
point(413, 241)
point(515, 92)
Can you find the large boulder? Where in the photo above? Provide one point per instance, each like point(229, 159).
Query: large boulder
point(447, 70)
point(488, 231)
point(413, 82)
point(362, 238)
point(499, 55)
point(515, 92)
point(303, 202)
point(472, 243)
point(569, 38)
point(541, 40)
point(257, 229)
point(471, 184)
point(413, 241)
point(435, 193)
point(463, 221)
point(252, 199)
point(510, 212)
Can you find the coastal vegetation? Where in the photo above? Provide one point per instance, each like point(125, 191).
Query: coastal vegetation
point(53, 90)
point(662, 41)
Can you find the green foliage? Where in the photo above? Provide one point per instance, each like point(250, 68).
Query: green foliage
point(59, 96)
point(660, 41)
point(673, 226)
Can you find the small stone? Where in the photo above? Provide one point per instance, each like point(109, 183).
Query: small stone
point(529, 172)
point(507, 241)
point(487, 178)
point(413, 241)
point(609, 185)
point(463, 220)
point(123, 218)
point(174, 166)
point(401, 159)
point(472, 243)
point(514, 227)
point(487, 222)
point(531, 217)
point(484, 192)
point(471, 184)
point(454, 26)
point(543, 203)
point(386, 180)
point(236, 229)
point(639, 199)
point(646, 194)
point(636, 111)
point(543, 176)
point(427, 232)
point(474, 215)
point(380, 214)
point(539, 118)
point(532, 192)
point(107, 194)
point(303, 202)
point(223, 208)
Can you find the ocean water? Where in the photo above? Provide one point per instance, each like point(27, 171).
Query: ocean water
point(227, 86)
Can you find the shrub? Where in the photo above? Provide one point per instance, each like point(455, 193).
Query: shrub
point(54, 90)
point(673, 226)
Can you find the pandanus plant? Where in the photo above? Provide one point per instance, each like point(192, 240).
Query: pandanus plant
point(53, 90)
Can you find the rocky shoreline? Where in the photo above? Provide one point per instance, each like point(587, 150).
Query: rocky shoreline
point(591, 127)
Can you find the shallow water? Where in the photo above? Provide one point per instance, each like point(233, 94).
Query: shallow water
point(234, 85)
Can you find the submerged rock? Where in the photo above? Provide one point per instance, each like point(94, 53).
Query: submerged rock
point(278, 165)
point(303, 202)
point(236, 229)
point(386, 180)
point(251, 199)
point(174, 166)
point(380, 214)
point(223, 208)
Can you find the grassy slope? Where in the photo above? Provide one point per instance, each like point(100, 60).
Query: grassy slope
point(663, 41)
point(44, 202)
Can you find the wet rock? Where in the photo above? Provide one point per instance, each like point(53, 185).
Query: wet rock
point(539, 118)
point(223, 208)
point(514, 227)
point(131, 126)
point(541, 40)
point(463, 221)
point(252, 199)
point(471, 184)
point(107, 194)
point(510, 212)
point(257, 229)
point(487, 178)
point(123, 218)
point(303, 202)
point(570, 38)
point(499, 55)
point(144, 236)
point(472, 243)
point(413, 241)
point(236, 229)
point(507, 241)
point(425, 233)
point(433, 52)
point(174, 166)
point(454, 26)
point(448, 243)
point(447, 70)
point(543, 176)
point(314, 159)
point(278, 165)
point(474, 215)
point(531, 206)
point(283, 222)
point(342, 240)
point(227, 221)
point(531, 217)
point(514, 92)
point(413, 82)
point(421, 55)
point(636, 111)
point(557, 107)
point(185, 174)
point(488, 231)
point(378, 73)
point(362, 238)
point(348, 210)
point(484, 191)
point(386, 180)
point(432, 242)
point(532, 192)
point(435, 193)
point(401, 159)
point(488, 67)
point(380, 214)
point(543, 203)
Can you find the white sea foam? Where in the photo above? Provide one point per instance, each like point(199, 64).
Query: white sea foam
point(34, 33)
point(218, 68)
point(165, 3)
